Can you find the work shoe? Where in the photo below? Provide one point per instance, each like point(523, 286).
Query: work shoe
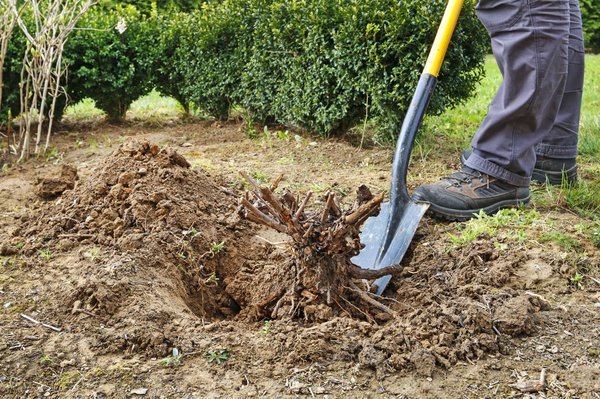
point(464, 194)
point(552, 171)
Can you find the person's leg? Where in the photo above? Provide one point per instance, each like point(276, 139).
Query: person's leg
point(558, 150)
point(530, 43)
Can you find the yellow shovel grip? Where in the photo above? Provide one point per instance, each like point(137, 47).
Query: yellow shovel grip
point(442, 39)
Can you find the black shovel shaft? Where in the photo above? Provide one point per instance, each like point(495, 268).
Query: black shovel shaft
point(406, 139)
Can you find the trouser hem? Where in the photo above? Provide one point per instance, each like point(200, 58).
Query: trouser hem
point(552, 151)
point(483, 165)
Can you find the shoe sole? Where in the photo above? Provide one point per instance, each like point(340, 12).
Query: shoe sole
point(464, 215)
point(548, 177)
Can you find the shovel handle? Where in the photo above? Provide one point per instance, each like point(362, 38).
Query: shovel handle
point(414, 115)
point(442, 38)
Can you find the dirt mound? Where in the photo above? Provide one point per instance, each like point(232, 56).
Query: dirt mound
point(152, 239)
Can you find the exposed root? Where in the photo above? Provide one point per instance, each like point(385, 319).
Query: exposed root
point(323, 242)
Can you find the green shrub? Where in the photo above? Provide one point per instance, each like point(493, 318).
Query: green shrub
point(12, 76)
point(146, 7)
point(110, 67)
point(321, 65)
point(590, 13)
point(205, 53)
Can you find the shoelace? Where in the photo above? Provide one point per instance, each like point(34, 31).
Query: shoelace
point(463, 176)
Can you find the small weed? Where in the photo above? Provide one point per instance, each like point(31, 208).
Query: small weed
point(218, 356)
point(192, 232)
point(98, 372)
point(67, 379)
point(5, 168)
point(175, 360)
point(182, 255)
point(93, 253)
point(282, 135)
point(20, 246)
point(215, 247)
point(259, 176)
point(595, 236)
point(577, 280)
point(212, 280)
point(251, 131)
point(266, 328)
point(54, 155)
point(316, 187)
point(47, 360)
point(46, 254)
point(564, 241)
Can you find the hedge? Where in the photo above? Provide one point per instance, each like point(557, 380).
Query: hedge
point(321, 65)
point(113, 68)
point(590, 13)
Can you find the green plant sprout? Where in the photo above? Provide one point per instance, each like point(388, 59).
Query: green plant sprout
point(46, 360)
point(577, 280)
point(192, 232)
point(46, 254)
point(218, 356)
point(215, 247)
point(212, 280)
point(175, 360)
point(266, 328)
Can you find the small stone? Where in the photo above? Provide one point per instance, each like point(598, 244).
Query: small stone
point(139, 391)
point(142, 171)
point(7, 305)
point(89, 219)
point(186, 145)
point(597, 305)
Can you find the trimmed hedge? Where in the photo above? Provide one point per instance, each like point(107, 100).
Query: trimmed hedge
point(321, 65)
point(590, 13)
point(318, 64)
point(112, 68)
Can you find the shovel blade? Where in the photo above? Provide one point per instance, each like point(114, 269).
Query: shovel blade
point(387, 236)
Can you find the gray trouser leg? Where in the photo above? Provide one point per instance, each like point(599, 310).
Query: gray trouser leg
point(561, 141)
point(530, 41)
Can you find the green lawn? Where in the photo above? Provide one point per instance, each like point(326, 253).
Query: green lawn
point(457, 126)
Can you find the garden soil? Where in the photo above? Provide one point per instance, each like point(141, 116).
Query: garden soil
point(127, 271)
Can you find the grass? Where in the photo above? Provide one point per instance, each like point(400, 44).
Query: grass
point(515, 220)
point(452, 131)
point(151, 107)
point(566, 242)
point(154, 106)
point(84, 109)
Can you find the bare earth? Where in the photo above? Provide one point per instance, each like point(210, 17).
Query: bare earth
point(145, 251)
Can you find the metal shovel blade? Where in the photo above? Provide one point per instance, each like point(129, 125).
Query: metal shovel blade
point(380, 253)
point(388, 235)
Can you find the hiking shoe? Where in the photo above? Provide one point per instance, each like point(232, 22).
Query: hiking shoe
point(551, 171)
point(464, 194)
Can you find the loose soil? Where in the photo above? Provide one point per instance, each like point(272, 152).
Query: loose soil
point(132, 245)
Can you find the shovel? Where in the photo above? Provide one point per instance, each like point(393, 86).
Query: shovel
point(387, 236)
